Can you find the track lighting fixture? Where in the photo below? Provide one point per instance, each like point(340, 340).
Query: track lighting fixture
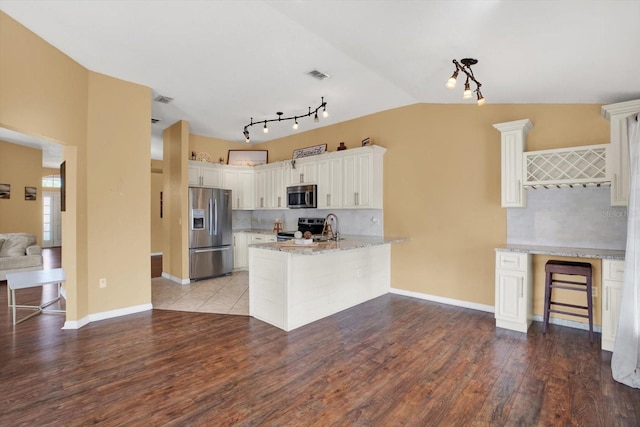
point(265, 129)
point(466, 69)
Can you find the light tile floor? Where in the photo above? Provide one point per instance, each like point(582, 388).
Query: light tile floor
point(222, 295)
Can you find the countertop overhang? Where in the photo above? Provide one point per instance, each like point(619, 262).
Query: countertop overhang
point(347, 242)
point(565, 251)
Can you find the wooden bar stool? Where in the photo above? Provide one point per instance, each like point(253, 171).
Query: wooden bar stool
point(572, 269)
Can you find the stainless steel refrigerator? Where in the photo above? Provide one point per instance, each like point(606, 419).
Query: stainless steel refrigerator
point(210, 235)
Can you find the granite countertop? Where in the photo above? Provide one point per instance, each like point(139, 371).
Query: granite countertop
point(562, 251)
point(253, 230)
point(347, 242)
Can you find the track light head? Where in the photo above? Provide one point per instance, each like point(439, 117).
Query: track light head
point(467, 90)
point(451, 83)
point(265, 129)
point(295, 123)
point(315, 118)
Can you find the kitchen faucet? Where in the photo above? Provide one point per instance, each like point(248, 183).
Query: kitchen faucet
point(334, 231)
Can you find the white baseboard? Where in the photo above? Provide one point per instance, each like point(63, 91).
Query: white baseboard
point(568, 323)
point(176, 279)
point(443, 300)
point(77, 324)
point(490, 309)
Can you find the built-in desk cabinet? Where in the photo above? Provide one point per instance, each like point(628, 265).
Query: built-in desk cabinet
point(514, 294)
point(514, 299)
point(612, 275)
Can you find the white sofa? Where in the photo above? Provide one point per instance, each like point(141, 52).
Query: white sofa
point(19, 252)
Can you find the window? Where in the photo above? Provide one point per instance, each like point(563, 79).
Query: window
point(51, 181)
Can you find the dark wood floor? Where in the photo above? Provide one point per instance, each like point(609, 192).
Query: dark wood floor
point(389, 362)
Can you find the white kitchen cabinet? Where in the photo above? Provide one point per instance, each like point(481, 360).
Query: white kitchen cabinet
point(270, 186)
point(618, 155)
point(262, 238)
point(241, 242)
point(277, 196)
point(204, 175)
point(262, 188)
point(305, 172)
point(513, 282)
point(330, 183)
point(512, 146)
point(362, 179)
point(240, 180)
point(612, 278)
point(240, 251)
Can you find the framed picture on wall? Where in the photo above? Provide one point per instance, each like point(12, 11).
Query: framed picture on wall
point(30, 193)
point(5, 191)
point(247, 157)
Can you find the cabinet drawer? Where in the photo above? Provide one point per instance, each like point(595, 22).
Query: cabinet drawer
point(612, 270)
point(511, 261)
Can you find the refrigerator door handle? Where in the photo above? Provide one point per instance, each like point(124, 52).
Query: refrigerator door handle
point(215, 217)
point(210, 216)
point(199, 251)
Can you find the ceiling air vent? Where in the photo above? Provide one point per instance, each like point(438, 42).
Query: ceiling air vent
point(153, 121)
point(318, 75)
point(163, 99)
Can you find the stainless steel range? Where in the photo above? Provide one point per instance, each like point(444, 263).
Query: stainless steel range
point(314, 225)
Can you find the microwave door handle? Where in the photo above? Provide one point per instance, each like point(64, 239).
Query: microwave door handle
point(306, 198)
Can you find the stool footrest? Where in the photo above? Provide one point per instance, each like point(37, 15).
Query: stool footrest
point(567, 281)
point(568, 313)
point(564, 304)
point(569, 288)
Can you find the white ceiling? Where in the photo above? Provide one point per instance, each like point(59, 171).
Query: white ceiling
point(227, 61)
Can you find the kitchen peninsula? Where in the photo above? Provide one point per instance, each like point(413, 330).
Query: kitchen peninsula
point(293, 285)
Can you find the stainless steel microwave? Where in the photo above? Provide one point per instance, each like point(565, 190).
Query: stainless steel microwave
point(302, 196)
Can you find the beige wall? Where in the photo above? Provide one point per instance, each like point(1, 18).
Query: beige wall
point(216, 148)
point(103, 124)
point(175, 248)
point(21, 167)
point(118, 198)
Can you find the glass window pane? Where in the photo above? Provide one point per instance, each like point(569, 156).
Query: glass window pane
point(46, 236)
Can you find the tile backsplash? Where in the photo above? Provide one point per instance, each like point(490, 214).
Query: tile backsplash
point(367, 222)
point(572, 217)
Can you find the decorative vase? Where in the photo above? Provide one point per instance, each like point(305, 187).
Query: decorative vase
point(342, 146)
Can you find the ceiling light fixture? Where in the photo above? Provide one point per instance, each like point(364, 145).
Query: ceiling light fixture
point(265, 129)
point(466, 69)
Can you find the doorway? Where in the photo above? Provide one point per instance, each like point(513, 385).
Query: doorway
point(51, 219)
